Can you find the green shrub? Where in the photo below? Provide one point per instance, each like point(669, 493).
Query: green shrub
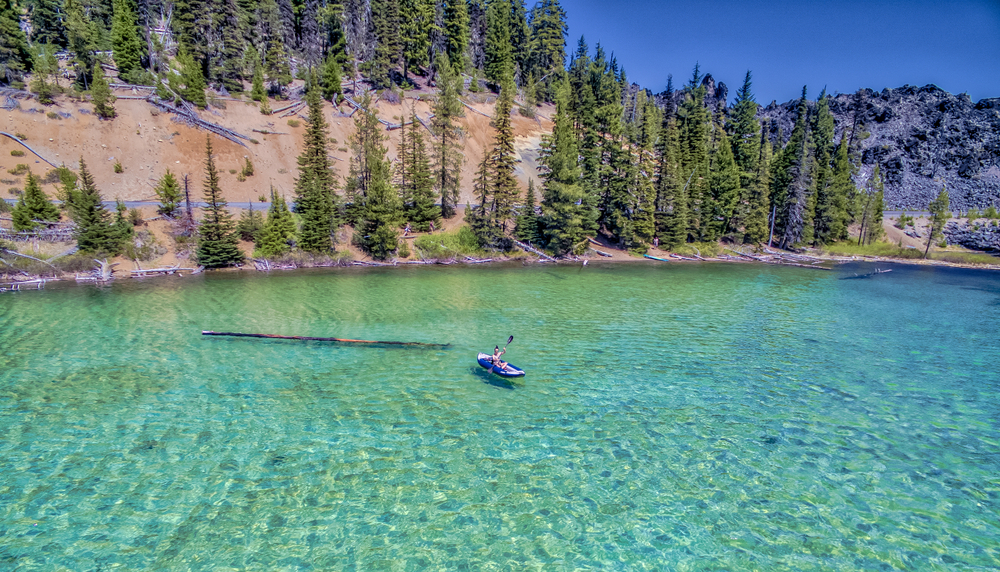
point(294, 123)
point(21, 136)
point(18, 170)
point(135, 217)
point(118, 166)
point(903, 221)
point(53, 115)
point(462, 242)
point(991, 213)
point(4, 206)
point(144, 246)
point(404, 249)
point(16, 153)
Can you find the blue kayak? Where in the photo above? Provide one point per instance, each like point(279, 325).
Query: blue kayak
point(511, 370)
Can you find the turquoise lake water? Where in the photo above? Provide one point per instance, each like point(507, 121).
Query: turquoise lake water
point(673, 417)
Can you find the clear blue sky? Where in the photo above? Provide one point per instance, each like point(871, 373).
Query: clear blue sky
point(843, 45)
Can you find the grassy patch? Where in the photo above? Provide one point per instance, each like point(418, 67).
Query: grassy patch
point(294, 123)
point(705, 249)
point(446, 245)
point(16, 153)
point(887, 250)
point(883, 249)
point(965, 257)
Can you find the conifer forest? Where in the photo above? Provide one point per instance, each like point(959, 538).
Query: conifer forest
point(678, 167)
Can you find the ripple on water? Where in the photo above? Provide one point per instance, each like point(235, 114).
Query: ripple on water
point(672, 418)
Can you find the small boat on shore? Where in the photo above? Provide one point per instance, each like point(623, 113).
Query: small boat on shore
point(511, 370)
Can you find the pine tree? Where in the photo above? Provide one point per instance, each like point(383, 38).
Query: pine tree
point(93, 229)
point(421, 209)
point(939, 215)
point(250, 225)
point(565, 221)
point(169, 192)
point(671, 189)
point(725, 185)
point(746, 151)
point(47, 26)
point(46, 66)
point(15, 55)
point(841, 191)
point(526, 227)
point(33, 205)
point(101, 96)
point(694, 122)
point(499, 57)
point(871, 207)
point(257, 92)
point(81, 40)
point(125, 43)
point(190, 83)
point(278, 234)
point(792, 180)
point(456, 25)
point(384, 29)
point(448, 156)
point(547, 46)
point(315, 198)
point(417, 25)
point(520, 35)
point(756, 227)
point(829, 212)
point(218, 243)
point(122, 230)
point(330, 80)
point(503, 187)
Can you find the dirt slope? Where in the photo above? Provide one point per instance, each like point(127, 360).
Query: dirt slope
point(148, 142)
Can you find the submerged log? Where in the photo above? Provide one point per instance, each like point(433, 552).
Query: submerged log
point(316, 339)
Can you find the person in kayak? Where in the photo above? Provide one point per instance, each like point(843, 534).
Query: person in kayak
point(497, 352)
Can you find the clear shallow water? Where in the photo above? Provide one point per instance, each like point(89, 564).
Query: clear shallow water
point(714, 417)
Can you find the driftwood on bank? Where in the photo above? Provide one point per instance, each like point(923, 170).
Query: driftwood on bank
point(192, 118)
point(533, 250)
point(317, 339)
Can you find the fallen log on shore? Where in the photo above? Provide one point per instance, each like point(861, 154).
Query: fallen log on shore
point(317, 339)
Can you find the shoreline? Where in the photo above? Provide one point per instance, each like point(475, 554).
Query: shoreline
point(19, 282)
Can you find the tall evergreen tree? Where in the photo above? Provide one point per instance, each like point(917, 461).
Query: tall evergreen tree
point(671, 188)
point(448, 156)
point(694, 122)
point(93, 225)
point(169, 192)
point(547, 46)
point(871, 207)
point(939, 214)
point(315, 199)
point(384, 29)
point(502, 159)
point(417, 26)
point(456, 25)
point(101, 96)
point(82, 41)
point(526, 226)
point(218, 243)
point(125, 41)
point(47, 26)
point(564, 220)
point(278, 234)
point(33, 206)
point(421, 207)
point(841, 192)
point(15, 56)
point(756, 226)
point(746, 150)
point(829, 211)
point(792, 180)
point(331, 78)
point(725, 185)
point(499, 56)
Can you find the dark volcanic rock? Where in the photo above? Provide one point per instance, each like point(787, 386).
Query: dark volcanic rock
point(977, 236)
point(922, 138)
